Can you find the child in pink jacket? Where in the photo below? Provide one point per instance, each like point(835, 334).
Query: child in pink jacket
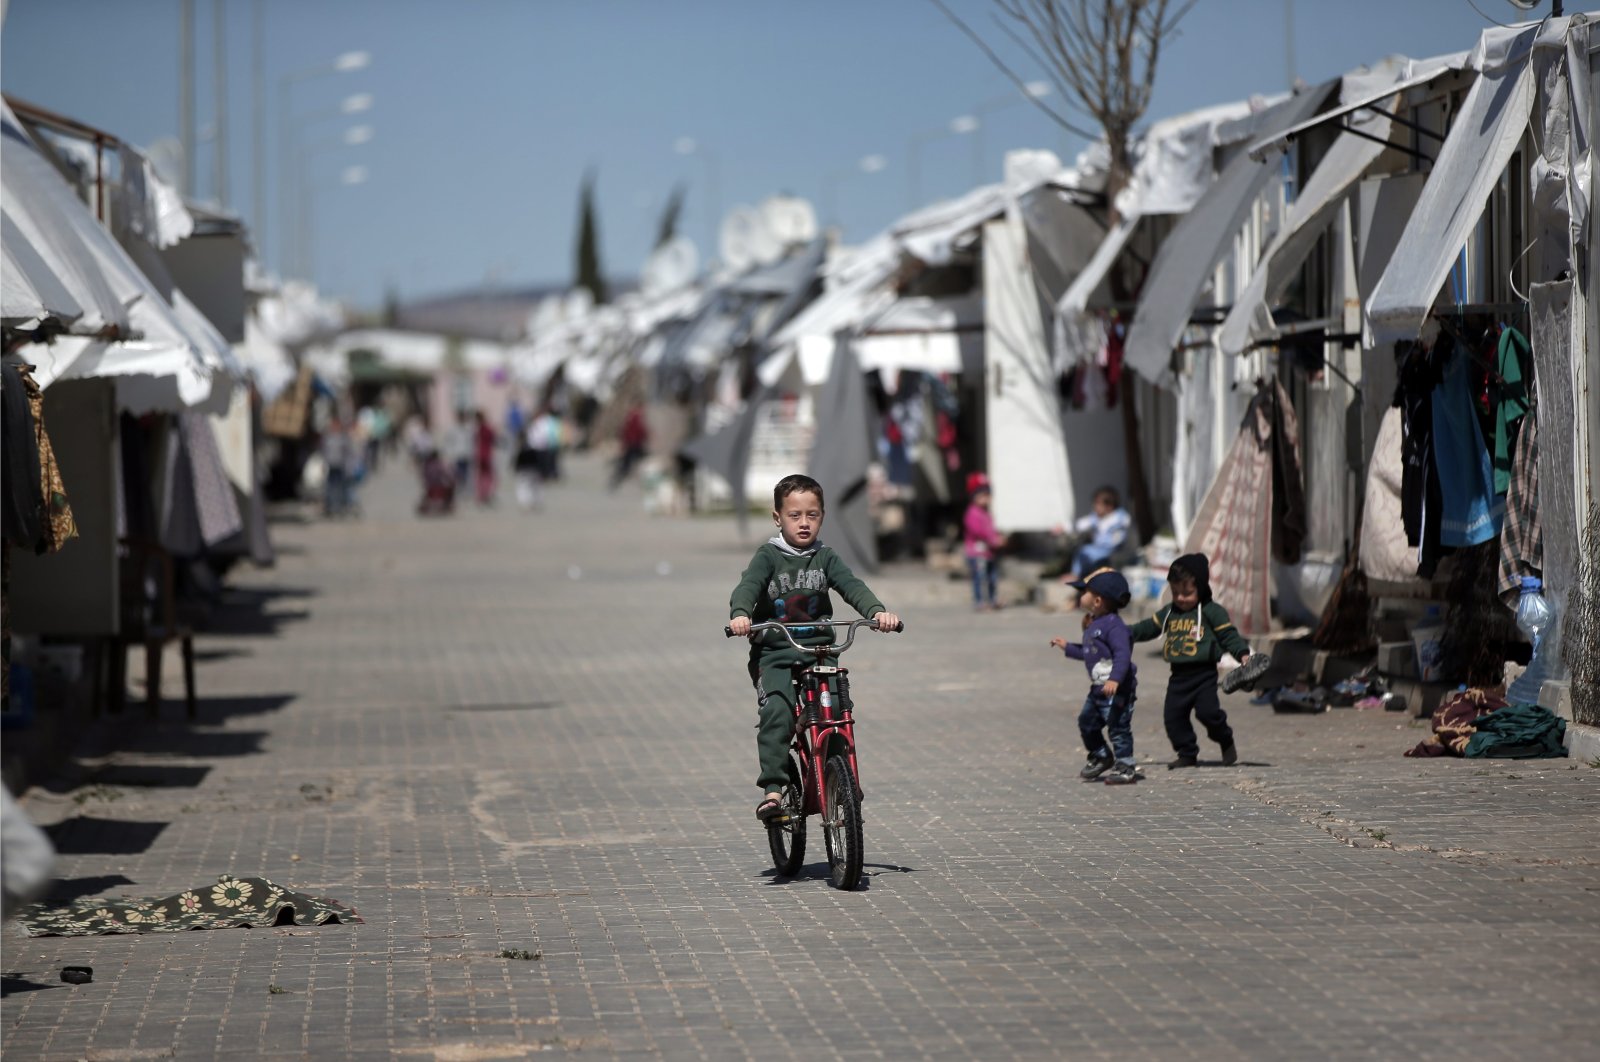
point(983, 544)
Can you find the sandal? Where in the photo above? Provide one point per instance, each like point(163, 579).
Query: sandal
point(771, 808)
point(1254, 666)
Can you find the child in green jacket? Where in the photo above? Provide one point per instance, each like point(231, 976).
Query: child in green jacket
point(788, 580)
point(1195, 632)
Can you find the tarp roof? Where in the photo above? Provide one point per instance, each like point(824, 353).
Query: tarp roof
point(1338, 171)
point(1187, 255)
point(1481, 142)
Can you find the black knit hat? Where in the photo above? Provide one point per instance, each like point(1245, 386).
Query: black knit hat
point(1193, 566)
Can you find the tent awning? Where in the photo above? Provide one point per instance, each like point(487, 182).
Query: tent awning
point(1480, 144)
point(1422, 72)
point(30, 291)
point(1250, 320)
point(1185, 260)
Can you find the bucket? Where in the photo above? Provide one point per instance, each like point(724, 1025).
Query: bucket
point(1427, 637)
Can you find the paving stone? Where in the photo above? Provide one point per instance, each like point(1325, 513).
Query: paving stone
point(432, 721)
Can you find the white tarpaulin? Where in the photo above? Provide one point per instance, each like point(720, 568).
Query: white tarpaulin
point(924, 334)
point(1482, 139)
point(42, 211)
point(30, 291)
point(1190, 252)
point(265, 359)
point(1027, 456)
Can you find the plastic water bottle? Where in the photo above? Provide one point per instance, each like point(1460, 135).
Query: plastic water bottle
point(1534, 617)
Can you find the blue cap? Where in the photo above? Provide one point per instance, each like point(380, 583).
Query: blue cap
point(1108, 583)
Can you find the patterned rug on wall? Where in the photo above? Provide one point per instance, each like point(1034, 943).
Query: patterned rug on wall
point(230, 903)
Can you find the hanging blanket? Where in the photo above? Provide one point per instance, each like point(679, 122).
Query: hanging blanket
point(1234, 524)
point(231, 902)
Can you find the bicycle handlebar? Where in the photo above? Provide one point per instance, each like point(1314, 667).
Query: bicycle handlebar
point(821, 650)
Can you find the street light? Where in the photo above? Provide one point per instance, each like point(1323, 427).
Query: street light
point(344, 63)
point(1033, 90)
point(961, 125)
point(302, 253)
point(688, 145)
point(869, 165)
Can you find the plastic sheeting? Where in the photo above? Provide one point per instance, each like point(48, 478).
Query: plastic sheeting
point(839, 458)
point(1192, 249)
point(30, 291)
point(1481, 141)
point(1028, 463)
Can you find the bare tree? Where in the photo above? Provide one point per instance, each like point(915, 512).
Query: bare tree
point(1101, 56)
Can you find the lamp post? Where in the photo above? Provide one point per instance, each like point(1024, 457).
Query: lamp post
point(306, 244)
point(961, 125)
point(1035, 90)
point(347, 62)
point(688, 145)
point(830, 182)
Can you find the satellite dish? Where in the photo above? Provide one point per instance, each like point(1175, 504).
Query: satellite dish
point(670, 266)
point(790, 219)
point(746, 241)
point(577, 303)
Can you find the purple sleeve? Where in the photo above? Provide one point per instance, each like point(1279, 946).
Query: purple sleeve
point(1121, 651)
point(1074, 651)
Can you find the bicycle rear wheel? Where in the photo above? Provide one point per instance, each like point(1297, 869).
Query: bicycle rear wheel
point(841, 823)
point(787, 839)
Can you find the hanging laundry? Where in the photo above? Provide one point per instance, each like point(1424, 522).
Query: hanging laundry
point(1522, 536)
point(59, 526)
point(1419, 482)
point(1508, 397)
point(1471, 512)
point(1384, 551)
point(1288, 486)
point(24, 496)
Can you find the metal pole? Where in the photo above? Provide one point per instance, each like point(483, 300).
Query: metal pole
point(914, 174)
point(219, 77)
point(258, 131)
point(186, 91)
point(713, 205)
point(285, 195)
point(1288, 42)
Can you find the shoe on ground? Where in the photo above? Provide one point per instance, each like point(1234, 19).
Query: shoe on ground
point(1094, 768)
point(1183, 761)
point(1122, 774)
point(1230, 755)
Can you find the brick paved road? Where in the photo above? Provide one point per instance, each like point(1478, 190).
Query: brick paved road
point(510, 731)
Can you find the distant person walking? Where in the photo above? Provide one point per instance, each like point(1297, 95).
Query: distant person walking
point(633, 437)
point(457, 450)
point(483, 443)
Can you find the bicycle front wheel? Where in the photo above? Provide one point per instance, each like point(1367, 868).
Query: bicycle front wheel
point(841, 823)
point(787, 839)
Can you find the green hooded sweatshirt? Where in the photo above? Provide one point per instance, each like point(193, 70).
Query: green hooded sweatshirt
point(791, 585)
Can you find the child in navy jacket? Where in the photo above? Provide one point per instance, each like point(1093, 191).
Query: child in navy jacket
point(1107, 652)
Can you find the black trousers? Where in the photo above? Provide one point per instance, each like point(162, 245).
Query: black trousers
point(1193, 689)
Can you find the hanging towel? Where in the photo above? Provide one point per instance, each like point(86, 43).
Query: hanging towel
point(1522, 538)
point(1510, 398)
point(1471, 512)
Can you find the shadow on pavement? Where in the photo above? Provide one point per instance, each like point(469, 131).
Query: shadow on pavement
point(216, 709)
point(199, 744)
point(153, 776)
point(67, 890)
point(256, 611)
point(16, 983)
point(86, 835)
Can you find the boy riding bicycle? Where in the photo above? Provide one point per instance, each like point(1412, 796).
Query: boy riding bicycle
point(788, 580)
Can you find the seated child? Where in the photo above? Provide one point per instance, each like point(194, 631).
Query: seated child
point(788, 580)
point(1107, 651)
point(1196, 631)
point(1107, 528)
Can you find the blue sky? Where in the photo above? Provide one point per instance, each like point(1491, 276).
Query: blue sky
point(488, 112)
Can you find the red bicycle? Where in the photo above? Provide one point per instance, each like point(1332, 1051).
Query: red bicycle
point(823, 779)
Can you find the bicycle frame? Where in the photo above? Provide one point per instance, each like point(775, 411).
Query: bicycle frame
point(823, 719)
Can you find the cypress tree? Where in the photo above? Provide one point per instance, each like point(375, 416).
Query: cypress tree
point(589, 272)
